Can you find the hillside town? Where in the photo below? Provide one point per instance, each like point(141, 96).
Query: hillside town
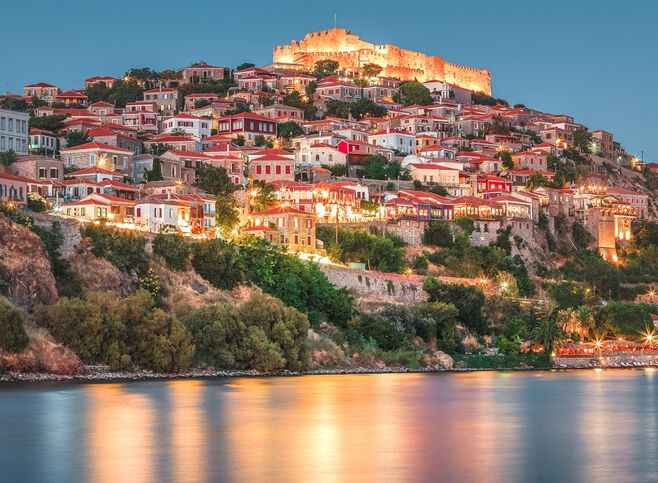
point(306, 157)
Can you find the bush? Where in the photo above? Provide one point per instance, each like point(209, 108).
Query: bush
point(217, 262)
point(123, 333)
point(437, 233)
point(123, 249)
point(468, 300)
point(13, 337)
point(174, 249)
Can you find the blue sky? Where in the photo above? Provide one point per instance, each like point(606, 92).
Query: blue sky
point(594, 60)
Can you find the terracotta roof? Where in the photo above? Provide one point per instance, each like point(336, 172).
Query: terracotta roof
point(94, 170)
point(95, 145)
point(282, 210)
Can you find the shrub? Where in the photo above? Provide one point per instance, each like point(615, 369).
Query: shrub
point(468, 300)
point(123, 249)
point(437, 233)
point(174, 249)
point(217, 262)
point(13, 337)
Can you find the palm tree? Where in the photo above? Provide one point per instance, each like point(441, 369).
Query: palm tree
point(546, 333)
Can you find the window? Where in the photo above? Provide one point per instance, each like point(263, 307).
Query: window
point(268, 169)
point(288, 169)
point(278, 169)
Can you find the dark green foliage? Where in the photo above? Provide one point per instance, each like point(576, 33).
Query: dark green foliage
point(217, 262)
point(336, 108)
point(529, 359)
point(365, 107)
point(468, 300)
point(245, 65)
point(581, 236)
point(419, 263)
point(379, 167)
point(289, 130)
point(437, 189)
point(49, 123)
point(155, 173)
point(8, 158)
point(38, 205)
point(13, 337)
point(124, 333)
point(297, 283)
point(213, 179)
point(383, 253)
point(76, 138)
point(337, 170)
point(228, 216)
point(438, 234)
point(123, 249)
point(386, 336)
point(413, 93)
point(260, 334)
point(502, 240)
point(324, 68)
point(174, 249)
point(486, 100)
point(589, 267)
point(626, 319)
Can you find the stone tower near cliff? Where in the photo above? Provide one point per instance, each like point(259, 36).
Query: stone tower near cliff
point(352, 53)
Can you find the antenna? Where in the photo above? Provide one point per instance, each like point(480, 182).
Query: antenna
point(334, 20)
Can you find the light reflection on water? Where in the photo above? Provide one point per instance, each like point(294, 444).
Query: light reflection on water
point(498, 427)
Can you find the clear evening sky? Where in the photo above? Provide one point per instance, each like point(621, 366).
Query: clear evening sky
point(597, 61)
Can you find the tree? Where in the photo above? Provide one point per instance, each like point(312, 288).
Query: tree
point(123, 92)
point(262, 195)
point(178, 131)
point(336, 108)
point(506, 158)
point(289, 129)
point(174, 249)
point(155, 173)
point(438, 190)
point(201, 103)
point(366, 107)
point(581, 237)
point(228, 215)
point(582, 140)
point(466, 224)
point(8, 158)
point(379, 167)
point(217, 262)
point(239, 140)
point(13, 336)
point(213, 179)
point(144, 75)
point(49, 123)
point(158, 149)
point(77, 138)
point(326, 67)
point(245, 65)
point(371, 70)
point(437, 233)
point(259, 140)
point(546, 332)
point(468, 300)
point(293, 99)
point(98, 92)
point(413, 93)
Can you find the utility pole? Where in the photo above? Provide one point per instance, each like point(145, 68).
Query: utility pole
point(334, 20)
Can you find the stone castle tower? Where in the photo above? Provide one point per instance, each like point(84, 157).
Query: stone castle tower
point(351, 52)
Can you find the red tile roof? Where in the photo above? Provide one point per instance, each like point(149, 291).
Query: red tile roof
point(95, 145)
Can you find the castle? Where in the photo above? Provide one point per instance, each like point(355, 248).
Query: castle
point(352, 54)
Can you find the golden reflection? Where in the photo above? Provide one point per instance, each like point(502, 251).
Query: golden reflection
point(120, 431)
point(188, 432)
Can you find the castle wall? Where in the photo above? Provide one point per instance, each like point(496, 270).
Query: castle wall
point(351, 52)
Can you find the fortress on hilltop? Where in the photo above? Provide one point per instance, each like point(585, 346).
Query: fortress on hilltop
point(352, 54)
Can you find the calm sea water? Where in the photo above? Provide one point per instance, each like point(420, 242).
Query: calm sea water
point(485, 427)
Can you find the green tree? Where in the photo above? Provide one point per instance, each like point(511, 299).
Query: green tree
point(468, 300)
point(379, 167)
point(245, 65)
point(437, 233)
point(174, 249)
point(239, 140)
point(326, 67)
point(144, 75)
point(290, 129)
point(365, 107)
point(217, 262)
point(413, 93)
point(49, 123)
point(77, 138)
point(213, 179)
point(123, 92)
point(155, 173)
point(228, 216)
point(13, 336)
point(546, 332)
point(582, 141)
point(7, 158)
point(336, 108)
point(98, 92)
point(293, 99)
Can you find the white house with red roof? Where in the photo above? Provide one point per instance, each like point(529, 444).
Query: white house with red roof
point(434, 174)
point(102, 155)
point(282, 113)
point(194, 126)
point(42, 140)
point(107, 136)
point(394, 139)
point(97, 79)
point(320, 153)
point(179, 143)
point(99, 206)
point(96, 174)
point(13, 189)
point(72, 98)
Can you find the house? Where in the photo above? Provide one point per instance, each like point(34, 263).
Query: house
point(96, 174)
point(202, 213)
point(396, 140)
point(119, 189)
point(191, 214)
point(282, 113)
point(347, 146)
point(530, 160)
point(179, 143)
point(339, 199)
point(142, 115)
point(13, 189)
point(102, 155)
point(192, 125)
point(101, 108)
point(419, 205)
point(442, 90)
point(98, 206)
point(639, 202)
point(42, 141)
point(105, 79)
point(295, 82)
point(36, 167)
point(181, 164)
point(78, 188)
point(248, 125)
point(234, 165)
point(72, 98)
point(295, 228)
point(201, 72)
point(272, 167)
point(106, 136)
point(257, 83)
point(520, 178)
point(320, 153)
point(14, 134)
point(603, 141)
point(167, 100)
point(297, 195)
point(340, 91)
point(490, 183)
point(191, 100)
point(41, 90)
point(434, 174)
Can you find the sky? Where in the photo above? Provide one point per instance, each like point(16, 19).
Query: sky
point(594, 60)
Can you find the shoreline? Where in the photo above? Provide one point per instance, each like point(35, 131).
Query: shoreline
point(140, 376)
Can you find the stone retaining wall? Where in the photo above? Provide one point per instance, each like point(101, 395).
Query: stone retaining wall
point(606, 361)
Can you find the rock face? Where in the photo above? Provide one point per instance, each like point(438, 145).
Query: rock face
point(97, 274)
point(439, 361)
point(25, 271)
point(42, 356)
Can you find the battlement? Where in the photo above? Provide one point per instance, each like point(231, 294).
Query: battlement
point(353, 53)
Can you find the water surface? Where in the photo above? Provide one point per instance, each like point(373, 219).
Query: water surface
point(486, 427)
